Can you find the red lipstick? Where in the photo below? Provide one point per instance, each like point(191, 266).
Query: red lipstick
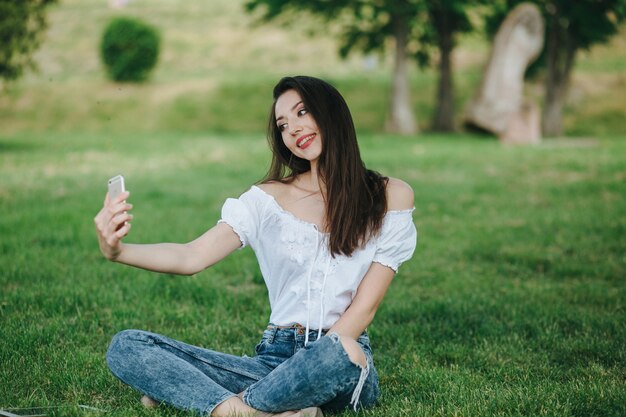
point(305, 141)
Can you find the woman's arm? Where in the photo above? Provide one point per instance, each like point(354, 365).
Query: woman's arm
point(182, 258)
point(113, 224)
point(364, 305)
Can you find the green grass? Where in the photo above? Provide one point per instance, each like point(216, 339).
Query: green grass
point(512, 305)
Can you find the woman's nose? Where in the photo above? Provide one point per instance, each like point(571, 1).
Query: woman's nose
point(294, 128)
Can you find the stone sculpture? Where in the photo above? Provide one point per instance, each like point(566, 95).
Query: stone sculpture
point(499, 106)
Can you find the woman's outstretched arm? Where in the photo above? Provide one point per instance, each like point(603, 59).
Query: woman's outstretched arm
point(113, 224)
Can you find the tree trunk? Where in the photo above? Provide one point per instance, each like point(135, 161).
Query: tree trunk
point(401, 119)
point(561, 53)
point(443, 120)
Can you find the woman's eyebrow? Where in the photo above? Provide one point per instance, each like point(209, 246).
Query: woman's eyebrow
point(292, 108)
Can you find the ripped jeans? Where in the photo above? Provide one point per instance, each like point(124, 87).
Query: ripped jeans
point(284, 374)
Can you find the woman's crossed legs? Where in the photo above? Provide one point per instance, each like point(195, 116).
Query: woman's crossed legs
point(206, 381)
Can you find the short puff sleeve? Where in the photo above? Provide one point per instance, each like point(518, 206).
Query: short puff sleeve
point(243, 214)
point(397, 240)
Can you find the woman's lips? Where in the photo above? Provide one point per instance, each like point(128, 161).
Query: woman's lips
point(305, 141)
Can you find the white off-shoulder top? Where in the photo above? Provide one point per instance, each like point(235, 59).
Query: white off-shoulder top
point(305, 283)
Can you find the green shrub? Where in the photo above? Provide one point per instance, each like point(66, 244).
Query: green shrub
point(129, 49)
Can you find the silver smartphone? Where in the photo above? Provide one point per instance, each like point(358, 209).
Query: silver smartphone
point(116, 187)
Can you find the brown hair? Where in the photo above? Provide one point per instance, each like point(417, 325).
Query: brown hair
point(356, 200)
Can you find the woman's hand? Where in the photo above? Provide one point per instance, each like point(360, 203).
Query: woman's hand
point(112, 224)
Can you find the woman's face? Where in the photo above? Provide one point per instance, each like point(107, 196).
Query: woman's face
point(298, 128)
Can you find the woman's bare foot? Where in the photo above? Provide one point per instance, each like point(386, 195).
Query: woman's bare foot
point(309, 412)
point(149, 402)
point(234, 406)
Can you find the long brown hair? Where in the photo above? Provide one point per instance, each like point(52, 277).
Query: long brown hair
point(355, 196)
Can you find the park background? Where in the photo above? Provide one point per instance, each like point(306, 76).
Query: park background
point(512, 305)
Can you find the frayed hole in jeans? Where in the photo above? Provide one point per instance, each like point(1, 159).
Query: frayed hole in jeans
point(352, 348)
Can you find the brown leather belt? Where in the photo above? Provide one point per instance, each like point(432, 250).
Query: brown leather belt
point(300, 329)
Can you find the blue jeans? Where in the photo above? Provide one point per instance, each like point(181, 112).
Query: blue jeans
point(284, 374)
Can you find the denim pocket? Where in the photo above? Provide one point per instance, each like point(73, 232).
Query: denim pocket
point(261, 347)
point(276, 347)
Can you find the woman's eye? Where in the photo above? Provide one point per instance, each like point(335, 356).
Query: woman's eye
point(282, 127)
point(302, 112)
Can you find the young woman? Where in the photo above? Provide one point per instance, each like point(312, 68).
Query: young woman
point(329, 236)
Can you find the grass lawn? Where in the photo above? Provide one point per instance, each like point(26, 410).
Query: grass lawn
point(512, 305)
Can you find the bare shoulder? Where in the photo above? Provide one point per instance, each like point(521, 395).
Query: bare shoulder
point(399, 195)
point(276, 189)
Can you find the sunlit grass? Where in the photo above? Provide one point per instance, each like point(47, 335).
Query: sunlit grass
point(512, 304)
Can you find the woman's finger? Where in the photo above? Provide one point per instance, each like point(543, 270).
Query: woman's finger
point(112, 241)
point(118, 208)
point(118, 221)
point(102, 220)
point(122, 206)
point(123, 196)
point(123, 231)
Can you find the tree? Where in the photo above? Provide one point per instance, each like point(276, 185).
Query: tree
point(570, 27)
point(129, 49)
point(367, 25)
point(447, 19)
point(22, 24)
point(417, 27)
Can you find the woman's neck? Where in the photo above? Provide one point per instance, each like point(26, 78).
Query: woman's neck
point(311, 182)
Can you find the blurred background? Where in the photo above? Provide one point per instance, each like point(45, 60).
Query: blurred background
point(218, 62)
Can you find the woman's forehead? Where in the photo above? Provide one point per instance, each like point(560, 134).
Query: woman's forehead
point(287, 103)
